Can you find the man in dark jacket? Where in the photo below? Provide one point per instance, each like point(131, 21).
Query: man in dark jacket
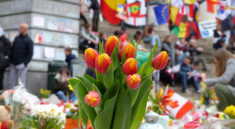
point(22, 53)
point(186, 74)
point(69, 56)
point(5, 51)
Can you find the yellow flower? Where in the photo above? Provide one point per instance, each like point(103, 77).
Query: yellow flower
point(52, 110)
point(229, 110)
point(70, 88)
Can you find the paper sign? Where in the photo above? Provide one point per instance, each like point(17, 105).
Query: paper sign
point(37, 53)
point(207, 28)
point(38, 21)
point(49, 52)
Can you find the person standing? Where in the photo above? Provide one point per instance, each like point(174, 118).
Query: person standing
point(95, 6)
point(22, 53)
point(5, 51)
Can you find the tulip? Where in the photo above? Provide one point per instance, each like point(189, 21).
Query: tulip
point(160, 61)
point(90, 57)
point(130, 66)
point(133, 81)
point(102, 63)
point(92, 99)
point(110, 44)
point(129, 51)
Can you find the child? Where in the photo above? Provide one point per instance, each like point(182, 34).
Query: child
point(186, 75)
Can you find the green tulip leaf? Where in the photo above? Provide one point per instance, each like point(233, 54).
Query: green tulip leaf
point(104, 118)
point(80, 92)
point(140, 113)
point(143, 91)
point(122, 118)
point(108, 78)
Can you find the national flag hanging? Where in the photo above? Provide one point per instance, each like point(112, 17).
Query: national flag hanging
point(183, 30)
point(109, 10)
point(161, 13)
point(211, 5)
point(196, 29)
point(189, 1)
point(176, 105)
point(174, 11)
point(134, 9)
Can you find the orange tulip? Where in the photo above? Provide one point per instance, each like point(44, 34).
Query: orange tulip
point(90, 57)
point(110, 44)
point(102, 63)
point(129, 51)
point(92, 99)
point(160, 61)
point(130, 66)
point(133, 81)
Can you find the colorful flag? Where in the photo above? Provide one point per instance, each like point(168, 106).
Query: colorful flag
point(177, 106)
point(183, 30)
point(134, 9)
point(196, 29)
point(211, 5)
point(109, 10)
point(173, 13)
point(161, 13)
point(189, 1)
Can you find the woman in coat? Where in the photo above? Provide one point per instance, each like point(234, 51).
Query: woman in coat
point(224, 82)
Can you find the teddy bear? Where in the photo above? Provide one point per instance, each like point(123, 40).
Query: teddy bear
point(5, 118)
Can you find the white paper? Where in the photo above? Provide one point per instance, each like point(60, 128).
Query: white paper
point(38, 21)
point(49, 52)
point(37, 53)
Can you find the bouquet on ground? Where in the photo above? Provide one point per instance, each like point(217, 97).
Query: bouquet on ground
point(44, 117)
point(117, 98)
point(44, 93)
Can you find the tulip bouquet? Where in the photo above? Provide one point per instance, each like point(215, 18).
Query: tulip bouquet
point(117, 98)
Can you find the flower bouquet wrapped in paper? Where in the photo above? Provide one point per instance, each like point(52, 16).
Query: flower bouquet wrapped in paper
point(117, 98)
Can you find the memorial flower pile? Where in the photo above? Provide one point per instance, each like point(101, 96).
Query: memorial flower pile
point(117, 97)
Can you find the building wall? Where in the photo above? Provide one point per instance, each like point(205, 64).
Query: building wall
point(56, 21)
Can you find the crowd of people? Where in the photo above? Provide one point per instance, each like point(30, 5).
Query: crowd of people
point(184, 60)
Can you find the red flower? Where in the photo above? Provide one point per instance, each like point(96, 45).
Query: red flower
point(160, 61)
point(129, 51)
point(92, 99)
point(133, 81)
point(102, 63)
point(90, 57)
point(110, 44)
point(130, 66)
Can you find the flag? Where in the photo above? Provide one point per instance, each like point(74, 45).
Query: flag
point(38, 38)
point(161, 13)
point(181, 13)
point(196, 29)
point(189, 1)
point(134, 9)
point(211, 5)
point(174, 11)
point(183, 30)
point(109, 10)
point(177, 106)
